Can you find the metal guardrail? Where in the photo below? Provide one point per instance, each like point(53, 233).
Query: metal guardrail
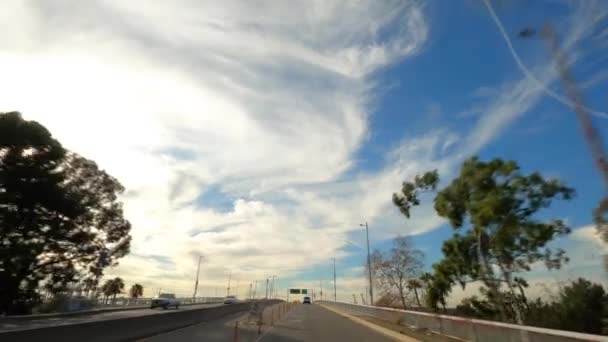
point(124, 301)
point(78, 306)
point(464, 328)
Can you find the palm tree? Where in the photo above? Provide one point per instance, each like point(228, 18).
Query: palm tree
point(89, 285)
point(136, 291)
point(415, 284)
point(112, 287)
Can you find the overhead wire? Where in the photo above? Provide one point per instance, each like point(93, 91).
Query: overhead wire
point(522, 67)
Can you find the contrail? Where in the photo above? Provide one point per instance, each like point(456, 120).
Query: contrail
point(522, 67)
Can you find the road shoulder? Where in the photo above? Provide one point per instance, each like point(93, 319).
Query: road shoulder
point(382, 330)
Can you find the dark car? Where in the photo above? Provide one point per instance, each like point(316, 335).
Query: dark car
point(307, 300)
point(231, 300)
point(165, 300)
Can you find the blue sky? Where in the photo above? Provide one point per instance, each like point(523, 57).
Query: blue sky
point(261, 135)
point(466, 60)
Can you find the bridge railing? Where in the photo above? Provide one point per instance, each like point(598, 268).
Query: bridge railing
point(80, 303)
point(463, 328)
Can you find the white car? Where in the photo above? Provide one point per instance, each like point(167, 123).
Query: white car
point(165, 300)
point(231, 300)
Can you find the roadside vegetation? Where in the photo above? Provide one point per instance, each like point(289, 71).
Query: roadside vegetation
point(61, 222)
point(494, 211)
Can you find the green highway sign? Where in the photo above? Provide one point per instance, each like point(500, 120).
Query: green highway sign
point(294, 291)
point(304, 291)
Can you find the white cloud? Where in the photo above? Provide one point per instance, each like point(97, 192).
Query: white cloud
point(589, 234)
point(256, 100)
point(264, 103)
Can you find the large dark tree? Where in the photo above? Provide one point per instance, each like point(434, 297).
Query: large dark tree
point(60, 218)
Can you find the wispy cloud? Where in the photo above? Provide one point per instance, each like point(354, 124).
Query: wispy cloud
point(262, 103)
point(250, 100)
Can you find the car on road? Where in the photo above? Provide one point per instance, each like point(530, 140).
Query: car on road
point(231, 300)
point(307, 300)
point(165, 300)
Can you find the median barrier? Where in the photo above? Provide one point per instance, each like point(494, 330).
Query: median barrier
point(124, 329)
point(107, 308)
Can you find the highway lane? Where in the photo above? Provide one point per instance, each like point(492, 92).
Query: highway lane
point(217, 330)
point(12, 325)
point(313, 323)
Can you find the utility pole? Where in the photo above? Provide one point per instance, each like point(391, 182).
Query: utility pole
point(266, 288)
point(335, 296)
point(198, 270)
point(321, 289)
point(255, 289)
point(369, 266)
point(272, 286)
point(229, 279)
point(250, 296)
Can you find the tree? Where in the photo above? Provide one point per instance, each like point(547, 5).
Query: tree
point(439, 285)
point(89, 285)
point(415, 285)
point(388, 300)
point(393, 270)
point(411, 191)
point(580, 306)
point(112, 287)
point(492, 208)
point(136, 291)
point(60, 219)
point(500, 204)
point(476, 308)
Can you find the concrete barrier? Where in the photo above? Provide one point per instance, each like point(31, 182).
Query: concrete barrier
point(464, 329)
point(123, 329)
point(90, 312)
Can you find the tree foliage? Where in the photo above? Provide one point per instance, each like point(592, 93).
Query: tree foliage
point(136, 291)
point(60, 219)
point(491, 207)
point(415, 285)
point(580, 306)
point(112, 287)
point(393, 270)
point(411, 191)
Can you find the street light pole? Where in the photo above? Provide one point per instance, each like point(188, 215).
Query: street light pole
point(272, 286)
point(334, 279)
point(229, 279)
point(198, 270)
point(369, 266)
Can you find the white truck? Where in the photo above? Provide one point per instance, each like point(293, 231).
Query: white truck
point(164, 300)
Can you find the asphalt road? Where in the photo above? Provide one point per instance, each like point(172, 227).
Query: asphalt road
point(313, 323)
point(11, 325)
point(217, 330)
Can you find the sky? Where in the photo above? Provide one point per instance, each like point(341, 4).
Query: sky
point(260, 135)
